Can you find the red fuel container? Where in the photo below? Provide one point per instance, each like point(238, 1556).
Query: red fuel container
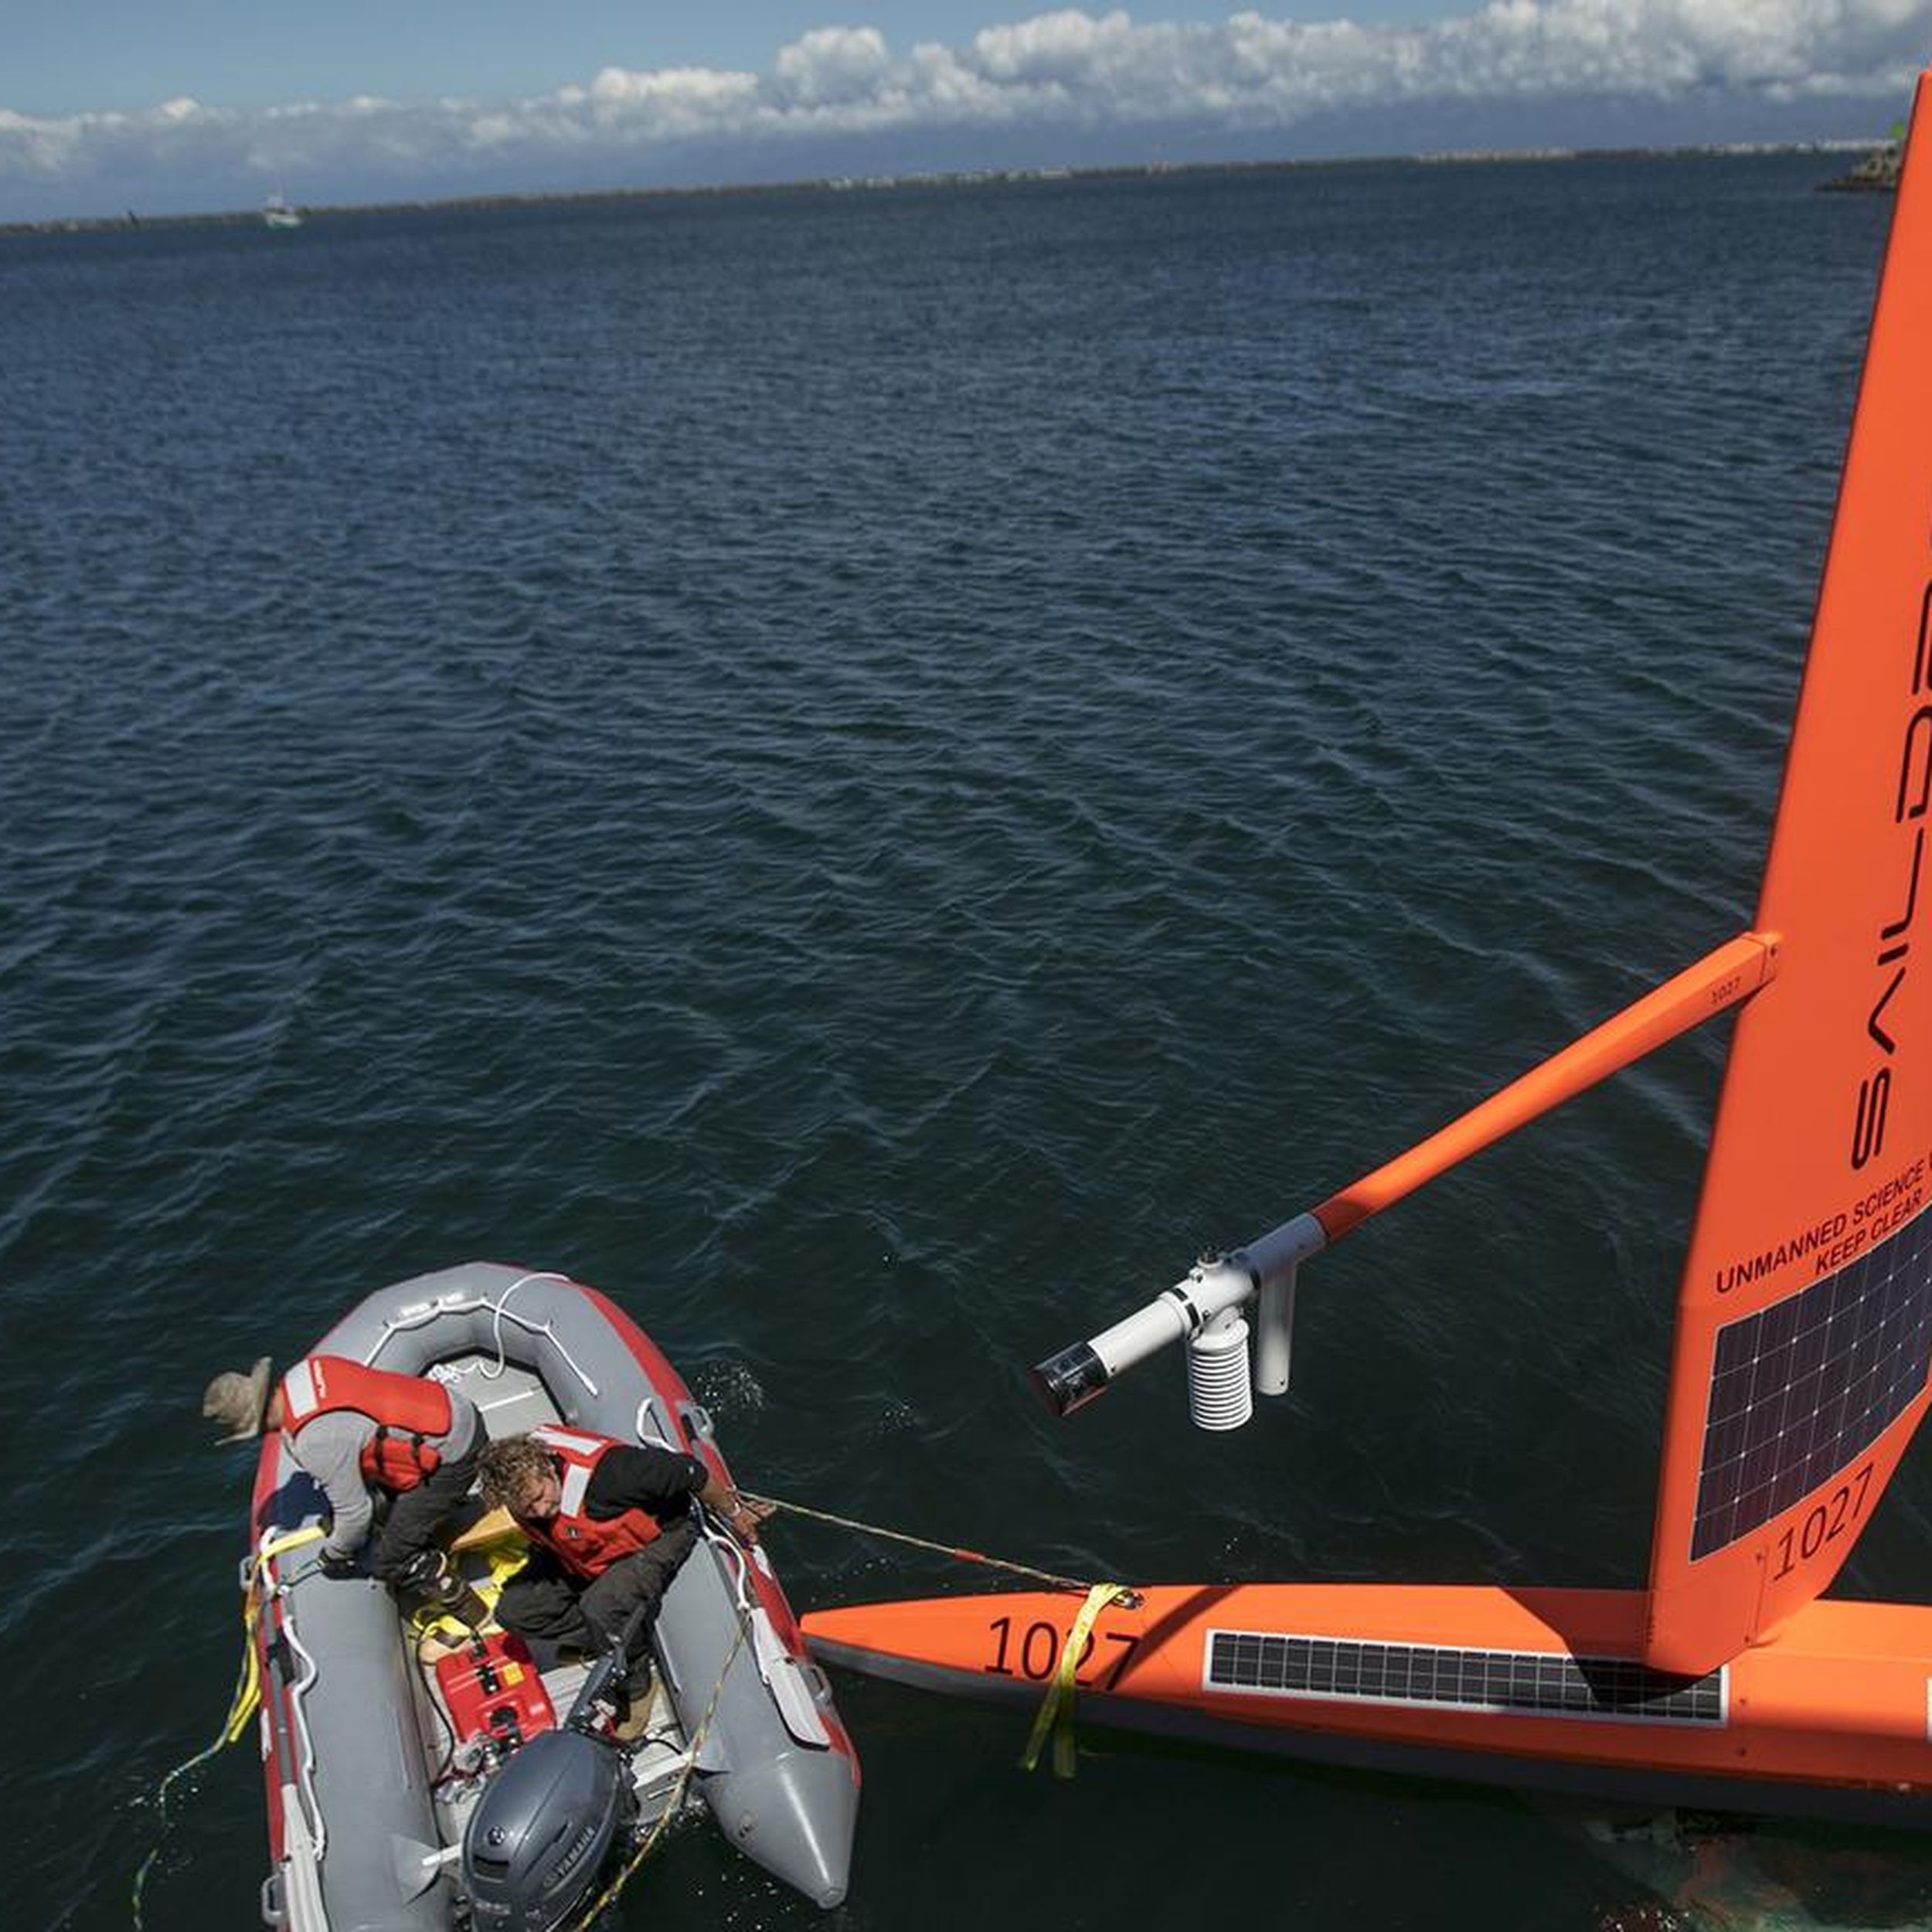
point(493, 1690)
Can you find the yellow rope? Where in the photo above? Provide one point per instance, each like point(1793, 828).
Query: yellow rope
point(1057, 1710)
point(241, 1708)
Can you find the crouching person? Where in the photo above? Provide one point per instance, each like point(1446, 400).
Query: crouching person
point(360, 1431)
point(609, 1523)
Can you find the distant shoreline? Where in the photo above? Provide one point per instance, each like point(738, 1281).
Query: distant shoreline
point(958, 177)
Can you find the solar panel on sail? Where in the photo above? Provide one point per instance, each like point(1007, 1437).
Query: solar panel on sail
point(1799, 1390)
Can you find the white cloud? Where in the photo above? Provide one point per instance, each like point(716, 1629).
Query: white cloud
point(677, 90)
point(1068, 50)
point(833, 66)
point(1076, 73)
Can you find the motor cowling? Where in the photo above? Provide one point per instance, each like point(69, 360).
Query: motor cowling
point(538, 1838)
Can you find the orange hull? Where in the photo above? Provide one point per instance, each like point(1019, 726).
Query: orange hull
point(1540, 1688)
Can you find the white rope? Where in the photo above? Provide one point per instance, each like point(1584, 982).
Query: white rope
point(722, 1540)
point(273, 1587)
point(650, 1437)
point(496, 1325)
point(500, 1314)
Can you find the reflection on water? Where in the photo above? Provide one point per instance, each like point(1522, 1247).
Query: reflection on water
point(1710, 1873)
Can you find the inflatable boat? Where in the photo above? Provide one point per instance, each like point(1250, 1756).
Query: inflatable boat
point(423, 1774)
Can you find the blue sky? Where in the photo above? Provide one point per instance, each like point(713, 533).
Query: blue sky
point(207, 103)
point(68, 58)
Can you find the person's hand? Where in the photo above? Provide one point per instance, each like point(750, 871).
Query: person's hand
point(744, 1517)
point(331, 1563)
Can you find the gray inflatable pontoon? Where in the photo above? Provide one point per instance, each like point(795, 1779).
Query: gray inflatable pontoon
point(371, 1780)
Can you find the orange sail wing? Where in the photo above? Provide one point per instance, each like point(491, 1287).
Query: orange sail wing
point(1804, 1319)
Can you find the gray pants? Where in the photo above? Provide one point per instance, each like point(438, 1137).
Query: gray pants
point(416, 1514)
point(554, 1612)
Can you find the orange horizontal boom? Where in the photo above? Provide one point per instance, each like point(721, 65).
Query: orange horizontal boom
point(1718, 981)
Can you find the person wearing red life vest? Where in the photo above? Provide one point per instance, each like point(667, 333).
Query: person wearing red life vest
point(609, 1522)
point(360, 1432)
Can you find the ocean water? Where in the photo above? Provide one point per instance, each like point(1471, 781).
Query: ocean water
point(871, 773)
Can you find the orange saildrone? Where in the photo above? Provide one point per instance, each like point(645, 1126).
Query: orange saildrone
point(1803, 1355)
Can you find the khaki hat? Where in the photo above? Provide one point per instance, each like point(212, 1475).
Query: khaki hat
point(238, 1402)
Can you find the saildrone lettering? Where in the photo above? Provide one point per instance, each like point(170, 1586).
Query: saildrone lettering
point(1873, 1232)
point(1919, 755)
point(1757, 1267)
point(1908, 1181)
point(1833, 1242)
point(1868, 1128)
point(1872, 1025)
point(1913, 799)
point(1876, 1215)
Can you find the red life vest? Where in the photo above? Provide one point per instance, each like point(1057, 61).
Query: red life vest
point(586, 1545)
point(405, 1409)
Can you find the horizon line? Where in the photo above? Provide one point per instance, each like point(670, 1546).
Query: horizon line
point(955, 178)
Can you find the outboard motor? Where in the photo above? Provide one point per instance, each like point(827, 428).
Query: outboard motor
point(538, 1840)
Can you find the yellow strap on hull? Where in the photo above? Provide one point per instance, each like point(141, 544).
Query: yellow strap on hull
point(1056, 1709)
point(248, 1688)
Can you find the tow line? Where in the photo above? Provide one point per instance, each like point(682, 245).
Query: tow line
point(1055, 1715)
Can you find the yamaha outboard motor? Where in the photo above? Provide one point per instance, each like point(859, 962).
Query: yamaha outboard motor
point(537, 1841)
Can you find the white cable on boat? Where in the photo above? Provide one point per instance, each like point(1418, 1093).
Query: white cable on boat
point(394, 1325)
point(496, 1324)
point(723, 1539)
point(297, 1690)
point(651, 1436)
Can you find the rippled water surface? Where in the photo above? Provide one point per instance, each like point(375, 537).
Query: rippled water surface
point(871, 773)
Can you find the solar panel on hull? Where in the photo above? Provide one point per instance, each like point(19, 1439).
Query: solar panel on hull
point(1516, 1683)
point(1800, 1389)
